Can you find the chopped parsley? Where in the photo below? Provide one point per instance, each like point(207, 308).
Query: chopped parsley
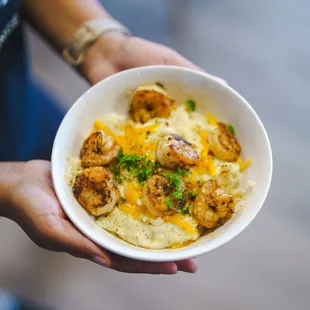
point(230, 128)
point(169, 203)
point(192, 196)
point(186, 209)
point(116, 172)
point(190, 104)
point(178, 196)
point(138, 166)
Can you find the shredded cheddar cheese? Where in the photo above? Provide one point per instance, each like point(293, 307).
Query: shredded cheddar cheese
point(204, 142)
point(133, 139)
point(244, 164)
point(211, 119)
point(149, 149)
point(212, 168)
point(133, 193)
point(146, 128)
point(100, 126)
point(205, 163)
point(181, 245)
point(134, 211)
point(177, 219)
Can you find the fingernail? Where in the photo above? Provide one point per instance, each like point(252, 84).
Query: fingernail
point(100, 261)
point(188, 266)
point(194, 266)
point(173, 269)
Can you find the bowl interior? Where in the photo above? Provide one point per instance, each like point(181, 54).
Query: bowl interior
point(110, 96)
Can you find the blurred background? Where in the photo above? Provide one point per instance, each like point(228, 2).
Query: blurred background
point(262, 49)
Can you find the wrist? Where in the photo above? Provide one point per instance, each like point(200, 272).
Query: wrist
point(10, 174)
point(106, 52)
point(86, 35)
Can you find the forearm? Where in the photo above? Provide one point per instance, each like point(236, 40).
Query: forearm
point(10, 174)
point(59, 19)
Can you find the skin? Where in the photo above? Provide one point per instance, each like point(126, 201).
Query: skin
point(26, 192)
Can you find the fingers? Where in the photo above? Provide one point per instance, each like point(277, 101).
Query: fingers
point(187, 265)
point(53, 233)
point(97, 71)
point(128, 265)
point(76, 244)
point(130, 52)
point(178, 60)
point(138, 52)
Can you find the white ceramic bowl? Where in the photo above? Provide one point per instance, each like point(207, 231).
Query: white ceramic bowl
point(221, 100)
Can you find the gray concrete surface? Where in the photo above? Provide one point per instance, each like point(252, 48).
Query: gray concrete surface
point(262, 49)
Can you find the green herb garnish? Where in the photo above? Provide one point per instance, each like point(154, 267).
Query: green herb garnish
point(230, 128)
point(169, 203)
point(116, 172)
point(178, 195)
point(192, 196)
point(138, 166)
point(191, 104)
point(176, 177)
point(185, 210)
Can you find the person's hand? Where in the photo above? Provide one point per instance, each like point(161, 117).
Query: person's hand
point(114, 52)
point(35, 208)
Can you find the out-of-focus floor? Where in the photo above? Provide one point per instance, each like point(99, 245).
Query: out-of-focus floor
point(261, 48)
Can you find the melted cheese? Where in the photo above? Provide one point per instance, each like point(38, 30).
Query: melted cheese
point(149, 149)
point(244, 164)
point(177, 219)
point(181, 245)
point(204, 143)
point(134, 211)
point(205, 163)
point(211, 119)
point(100, 126)
point(145, 129)
point(212, 168)
point(133, 139)
point(132, 193)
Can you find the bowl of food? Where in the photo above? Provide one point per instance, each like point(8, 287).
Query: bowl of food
point(161, 163)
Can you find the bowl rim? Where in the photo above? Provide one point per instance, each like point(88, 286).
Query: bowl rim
point(149, 254)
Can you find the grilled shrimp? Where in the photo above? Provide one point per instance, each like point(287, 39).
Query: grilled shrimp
point(98, 150)
point(96, 191)
point(150, 101)
point(173, 151)
point(155, 194)
point(213, 207)
point(223, 144)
